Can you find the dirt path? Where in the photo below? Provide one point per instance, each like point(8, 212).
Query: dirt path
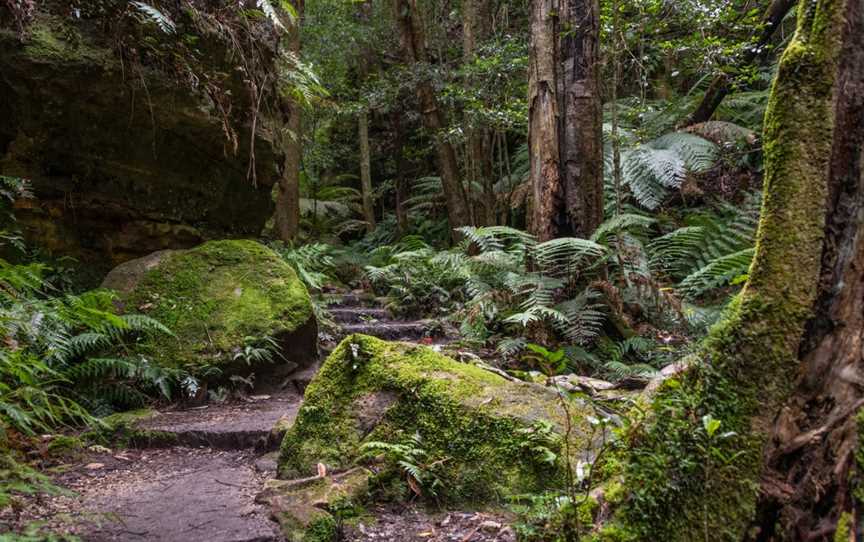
point(200, 484)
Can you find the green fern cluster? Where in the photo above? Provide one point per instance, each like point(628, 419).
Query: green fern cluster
point(713, 250)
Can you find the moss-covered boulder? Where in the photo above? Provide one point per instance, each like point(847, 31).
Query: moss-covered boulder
point(481, 436)
point(226, 302)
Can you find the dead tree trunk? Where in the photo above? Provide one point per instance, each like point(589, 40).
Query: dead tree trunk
point(413, 46)
point(565, 118)
point(543, 121)
point(476, 22)
point(581, 115)
point(287, 212)
point(401, 180)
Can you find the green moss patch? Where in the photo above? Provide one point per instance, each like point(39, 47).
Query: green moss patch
point(487, 436)
point(218, 299)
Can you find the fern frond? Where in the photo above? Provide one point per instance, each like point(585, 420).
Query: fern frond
point(161, 20)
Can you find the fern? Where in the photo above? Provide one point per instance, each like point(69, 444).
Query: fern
point(715, 242)
point(270, 12)
point(721, 271)
point(161, 20)
point(652, 169)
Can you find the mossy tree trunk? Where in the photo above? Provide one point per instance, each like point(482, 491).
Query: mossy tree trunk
point(287, 213)
point(808, 483)
point(413, 47)
point(683, 483)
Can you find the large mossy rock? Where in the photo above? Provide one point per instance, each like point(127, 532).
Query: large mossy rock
point(491, 437)
point(124, 160)
point(217, 299)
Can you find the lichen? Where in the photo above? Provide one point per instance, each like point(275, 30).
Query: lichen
point(217, 297)
point(475, 422)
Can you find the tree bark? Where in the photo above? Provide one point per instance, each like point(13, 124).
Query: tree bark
point(365, 170)
point(287, 212)
point(582, 118)
point(401, 179)
point(817, 432)
point(719, 87)
point(543, 137)
point(686, 486)
point(413, 47)
point(475, 28)
point(565, 119)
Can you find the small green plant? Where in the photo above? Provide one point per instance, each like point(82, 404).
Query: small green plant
point(421, 473)
point(542, 440)
point(257, 351)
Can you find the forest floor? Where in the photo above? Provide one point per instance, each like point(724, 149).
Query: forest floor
point(203, 486)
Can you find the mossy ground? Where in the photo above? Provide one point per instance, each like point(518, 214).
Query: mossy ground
point(479, 425)
point(217, 297)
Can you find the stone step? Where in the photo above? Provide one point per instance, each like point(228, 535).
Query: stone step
point(358, 315)
point(357, 299)
point(235, 426)
point(392, 331)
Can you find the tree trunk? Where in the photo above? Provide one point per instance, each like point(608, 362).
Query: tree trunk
point(401, 179)
point(413, 46)
point(689, 485)
point(365, 170)
point(476, 21)
point(719, 87)
point(565, 119)
point(811, 456)
point(545, 167)
point(582, 116)
point(287, 212)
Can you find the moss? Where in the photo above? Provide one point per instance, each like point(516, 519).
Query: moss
point(65, 446)
point(681, 484)
point(121, 430)
point(218, 297)
point(311, 510)
point(478, 423)
point(844, 528)
point(52, 39)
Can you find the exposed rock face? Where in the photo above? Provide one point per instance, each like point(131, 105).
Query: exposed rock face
point(487, 437)
point(222, 300)
point(123, 161)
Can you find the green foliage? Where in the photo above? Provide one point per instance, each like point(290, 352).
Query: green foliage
point(653, 169)
point(19, 479)
point(712, 251)
point(422, 474)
